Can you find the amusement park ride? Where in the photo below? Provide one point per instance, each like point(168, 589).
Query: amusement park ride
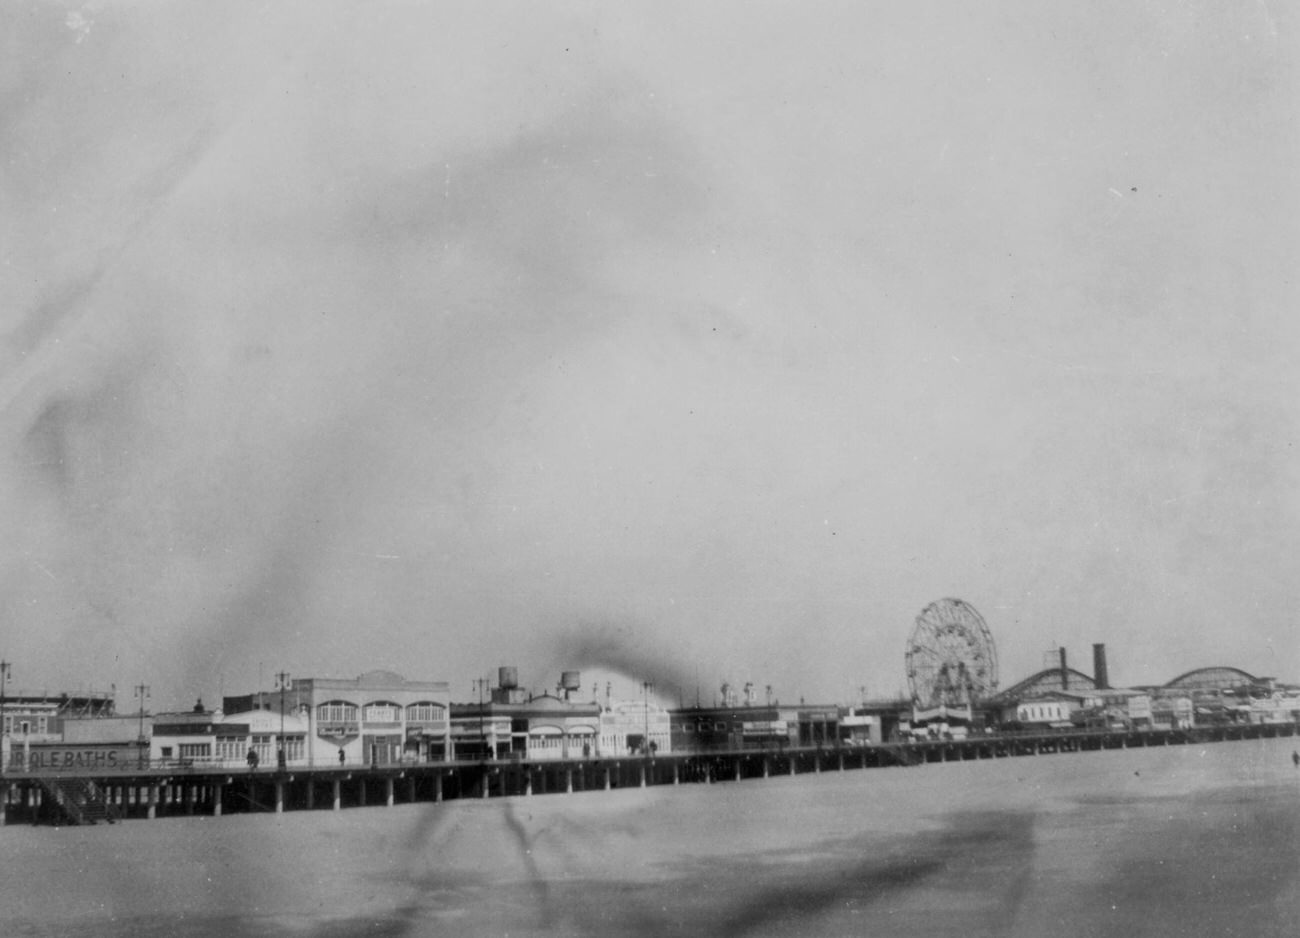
point(951, 661)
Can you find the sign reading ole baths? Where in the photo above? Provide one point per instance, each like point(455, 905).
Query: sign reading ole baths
point(60, 757)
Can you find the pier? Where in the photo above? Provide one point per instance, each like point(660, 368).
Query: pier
point(177, 790)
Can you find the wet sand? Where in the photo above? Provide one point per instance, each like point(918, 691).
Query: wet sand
point(1163, 842)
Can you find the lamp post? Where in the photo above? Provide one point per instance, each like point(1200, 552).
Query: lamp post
point(646, 688)
point(5, 668)
point(141, 692)
point(480, 683)
point(281, 682)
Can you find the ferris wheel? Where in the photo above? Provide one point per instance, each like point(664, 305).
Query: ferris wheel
point(951, 661)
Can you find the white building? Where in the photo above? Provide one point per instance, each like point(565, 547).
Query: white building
point(379, 717)
point(631, 726)
point(227, 739)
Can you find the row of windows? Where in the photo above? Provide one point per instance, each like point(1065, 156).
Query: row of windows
point(1048, 712)
point(612, 742)
point(236, 747)
point(539, 743)
point(340, 711)
point(19, 725)
point(263, 745)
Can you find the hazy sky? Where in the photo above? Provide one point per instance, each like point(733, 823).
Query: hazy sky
point(710, 341)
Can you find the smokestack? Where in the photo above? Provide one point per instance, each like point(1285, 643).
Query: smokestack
point(1065, 672)
point(1099, 674)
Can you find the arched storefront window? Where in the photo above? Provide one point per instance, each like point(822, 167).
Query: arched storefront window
point(337, 711)
point(382, 711)
point(426, 711)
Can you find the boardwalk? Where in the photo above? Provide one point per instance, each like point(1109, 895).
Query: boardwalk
point(182, 790)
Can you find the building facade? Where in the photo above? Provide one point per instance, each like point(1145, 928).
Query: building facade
point(725, 728)
point(230, 740)
point(514, 724)
point(28, 720)
point(377, 718)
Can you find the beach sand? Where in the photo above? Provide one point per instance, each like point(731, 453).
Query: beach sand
point(1185, 840)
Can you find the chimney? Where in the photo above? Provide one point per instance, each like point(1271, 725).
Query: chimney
point(1065, 672)
point(1099, 674)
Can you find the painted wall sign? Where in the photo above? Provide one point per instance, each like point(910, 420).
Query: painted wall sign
point(60, 757)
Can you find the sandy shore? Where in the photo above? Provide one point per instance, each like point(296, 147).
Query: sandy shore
point(1174, 841)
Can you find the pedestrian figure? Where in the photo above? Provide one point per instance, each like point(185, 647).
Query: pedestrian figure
point(252, 758)
point(341, 756)
point(1295, 759)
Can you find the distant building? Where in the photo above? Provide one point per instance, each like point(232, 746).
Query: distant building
point(635, 726)
point(28, 719)
point(512, 723)
point(215, 738)
point(704, 729)
point(379, 717)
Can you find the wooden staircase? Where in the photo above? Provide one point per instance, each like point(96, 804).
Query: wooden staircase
point(80, 800)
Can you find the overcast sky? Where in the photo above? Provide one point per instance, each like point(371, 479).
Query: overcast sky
point(710, 342)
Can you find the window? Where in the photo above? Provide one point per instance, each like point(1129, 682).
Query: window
point(195, 750)
point(294, 747)
point(337, 711)
point(231, 747)
point(426, 711)
point(262, 746)
point(166, 752)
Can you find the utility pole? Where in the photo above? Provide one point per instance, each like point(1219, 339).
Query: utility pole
point(646, 688)
point(141, 692)
point(5, 668)
point(281, 682)
point(482, 683)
